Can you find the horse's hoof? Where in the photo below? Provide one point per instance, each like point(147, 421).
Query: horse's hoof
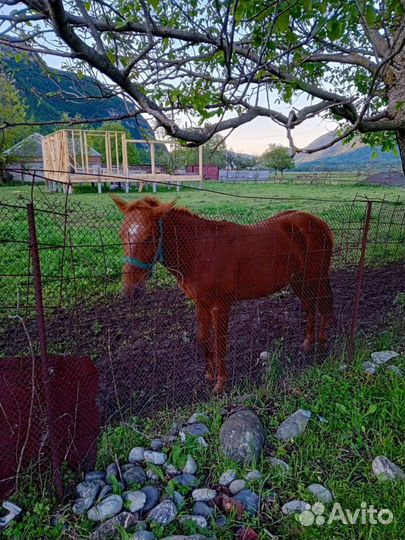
point(307, 346)
point(218, 388)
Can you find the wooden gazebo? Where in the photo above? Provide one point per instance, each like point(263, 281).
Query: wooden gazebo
point(67, 160)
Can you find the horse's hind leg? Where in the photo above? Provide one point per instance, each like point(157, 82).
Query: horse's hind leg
point(204, 338)
point(220, 320)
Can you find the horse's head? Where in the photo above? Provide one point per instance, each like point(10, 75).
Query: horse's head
point(142, 236)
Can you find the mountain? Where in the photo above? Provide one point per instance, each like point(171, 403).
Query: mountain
point(344, 157)
point(49, 98)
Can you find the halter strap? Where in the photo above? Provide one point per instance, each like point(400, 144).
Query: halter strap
point(159, 255)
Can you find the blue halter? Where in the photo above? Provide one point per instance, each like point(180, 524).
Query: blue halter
point(158, 257)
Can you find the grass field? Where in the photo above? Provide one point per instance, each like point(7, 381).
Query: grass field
point(86, 248)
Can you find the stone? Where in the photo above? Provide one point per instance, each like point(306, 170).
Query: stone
point(141, 526)
point(202, 509)
point(171, 469)
point(395, 369)
point(157, 445)
point(279, 464)
point(152, 495)
point(175, 428)
point(236, 486)
point(227, 477)
point(382, 357)
point(79, 507)
point(249, 500)
point(370, 367)
point(294, 425)
point(320, 492)
point(242, 437)
point(186, 480)
point(204, 494)
point(164, 513)
point(197, 417)
point(107, 508)
point(200, 521)
point(143, 535)
point(253, 475)
point(137, 455)
point(112, 470)
point(246, 533)
point(151, 475)
point(190, 466)
point(127, 466)
point(178, 499)
point(221, 522)
point(112, 527)
point(157, 458)
point(295, 507)
point(197, 430)
point(105, 490)
point(265, 355)
point(13, 511)
point(95, 475)
point(202, 442)
point(385, 469)
point(88, 492)
point(136, 475)
point(135, 500)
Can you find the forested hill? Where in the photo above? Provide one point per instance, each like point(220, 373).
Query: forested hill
point(345, 157)
point(64, 93)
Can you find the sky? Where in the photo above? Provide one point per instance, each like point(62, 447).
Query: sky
point(254, 137)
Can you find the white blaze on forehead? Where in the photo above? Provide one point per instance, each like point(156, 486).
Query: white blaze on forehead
point(133, 230)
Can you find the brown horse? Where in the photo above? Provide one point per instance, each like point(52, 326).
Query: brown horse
point(219, 262)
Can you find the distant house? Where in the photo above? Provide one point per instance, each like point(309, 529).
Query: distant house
point(25, 158)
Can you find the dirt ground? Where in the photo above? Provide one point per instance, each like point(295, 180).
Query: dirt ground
point(147, 355)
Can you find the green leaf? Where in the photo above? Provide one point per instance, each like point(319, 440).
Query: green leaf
point(154, 3)
point(374, 154)
point(335, 29)
point(370, 14)
point(372, 409)
point(282, 21)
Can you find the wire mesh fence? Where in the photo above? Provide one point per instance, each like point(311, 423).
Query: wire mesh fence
point(202, 291)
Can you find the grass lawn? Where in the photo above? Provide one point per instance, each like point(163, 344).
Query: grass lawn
point(205, 201)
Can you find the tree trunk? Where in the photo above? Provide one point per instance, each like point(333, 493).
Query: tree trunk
point(401, 145)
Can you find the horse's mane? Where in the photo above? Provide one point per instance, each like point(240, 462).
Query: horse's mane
point(152, 202)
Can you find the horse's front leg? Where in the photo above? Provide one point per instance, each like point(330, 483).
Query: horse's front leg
point(220, 320)
point(204, 338)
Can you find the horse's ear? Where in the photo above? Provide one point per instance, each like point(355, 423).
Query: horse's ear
point(122, 205)
point(162, 209)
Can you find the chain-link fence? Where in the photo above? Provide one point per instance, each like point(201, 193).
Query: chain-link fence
point(202, 291)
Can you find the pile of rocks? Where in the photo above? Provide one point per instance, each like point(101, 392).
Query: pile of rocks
point(150, 489)
point(380, 359)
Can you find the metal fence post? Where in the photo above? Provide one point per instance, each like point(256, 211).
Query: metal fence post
point(359, 284)
point(46, 371)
